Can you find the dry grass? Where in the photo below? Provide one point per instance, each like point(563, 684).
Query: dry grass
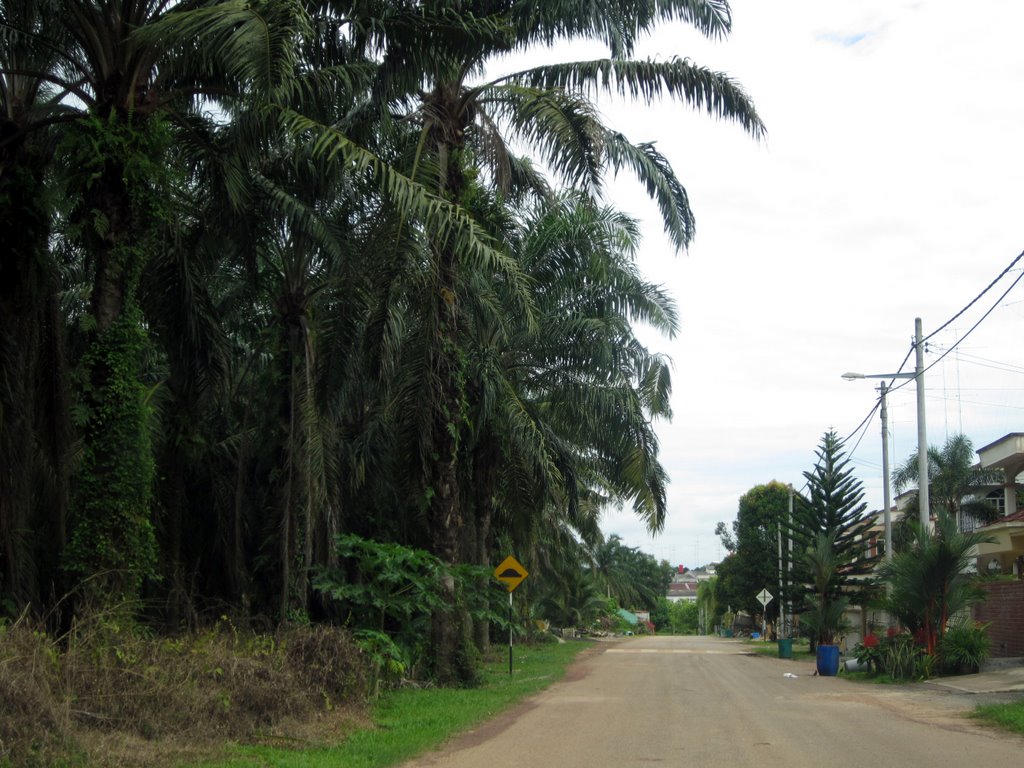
point(108, 695)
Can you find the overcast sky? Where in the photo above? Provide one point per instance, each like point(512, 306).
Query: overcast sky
point(890, 186)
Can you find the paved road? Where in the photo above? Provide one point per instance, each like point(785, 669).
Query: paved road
point(704, 703)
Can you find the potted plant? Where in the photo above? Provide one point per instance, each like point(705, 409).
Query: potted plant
point(825, 616)
point(965, 647)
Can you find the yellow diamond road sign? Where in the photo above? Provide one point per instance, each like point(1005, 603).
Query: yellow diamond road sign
point(511, 572)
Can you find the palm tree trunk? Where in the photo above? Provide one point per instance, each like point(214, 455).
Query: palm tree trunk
point(34, 420)
point(445, 514)
point(485, 479)
point(113, 537)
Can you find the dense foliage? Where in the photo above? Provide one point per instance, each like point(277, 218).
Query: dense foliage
point(930, 583)
point(753, 544)
point(273, 273)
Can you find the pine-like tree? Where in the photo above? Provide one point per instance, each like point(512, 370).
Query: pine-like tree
point(834, 506)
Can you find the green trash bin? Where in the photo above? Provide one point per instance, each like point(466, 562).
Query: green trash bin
point(785, 648)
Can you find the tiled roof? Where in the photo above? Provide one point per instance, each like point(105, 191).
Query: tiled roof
point(1016, 517)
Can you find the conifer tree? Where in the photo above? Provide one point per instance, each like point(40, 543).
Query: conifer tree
point(833, 505)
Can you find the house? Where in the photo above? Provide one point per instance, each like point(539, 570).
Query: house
point(1003, 608)
point(1006, 555)
point(683, 587)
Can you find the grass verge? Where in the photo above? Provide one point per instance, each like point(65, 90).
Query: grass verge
point(771, 648)
point(1009, 717)
point(408, 722)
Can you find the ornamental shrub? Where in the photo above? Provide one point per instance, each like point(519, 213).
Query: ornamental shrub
point(964, 647)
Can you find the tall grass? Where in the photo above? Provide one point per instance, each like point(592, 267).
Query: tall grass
point(410, 721)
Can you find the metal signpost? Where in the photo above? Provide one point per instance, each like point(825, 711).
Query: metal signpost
point(764, 597)
point(512, 573)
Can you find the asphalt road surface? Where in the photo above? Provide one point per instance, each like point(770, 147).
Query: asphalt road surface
point(691, 702)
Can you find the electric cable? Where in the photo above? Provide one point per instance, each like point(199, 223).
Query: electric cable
point(970, 330)
point(975, 326)
point(976, 298)
point(862, 426)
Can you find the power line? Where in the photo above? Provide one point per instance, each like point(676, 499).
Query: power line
point(985, 362)
point(862, 427)
point(991, 309)
point(978, 297)
point(970, 330)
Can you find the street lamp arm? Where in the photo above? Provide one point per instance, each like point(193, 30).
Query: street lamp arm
point(851, 376)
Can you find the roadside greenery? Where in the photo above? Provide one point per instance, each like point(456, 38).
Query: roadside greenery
point(752, 544)
point(409, 721)
point(279, 271)
point(928, 581)
point(1007, 716)
point(954, 482)
point(824, 617)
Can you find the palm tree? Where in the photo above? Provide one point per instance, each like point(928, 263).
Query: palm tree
point(431, 59)
point(824, 562)
point(35, 426)
point(561, 403)
point(928, 581)
point(573, 599)
point(954, 480)
point(109, 89)
point(612, 561)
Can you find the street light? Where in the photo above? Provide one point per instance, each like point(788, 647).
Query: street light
point(922, 439)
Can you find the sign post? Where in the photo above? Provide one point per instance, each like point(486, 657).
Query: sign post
point(764, 597)
point(512, 573)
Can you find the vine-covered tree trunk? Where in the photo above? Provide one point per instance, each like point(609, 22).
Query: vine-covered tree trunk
point(120, 164)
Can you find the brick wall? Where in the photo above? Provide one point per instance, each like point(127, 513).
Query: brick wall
point(1004, 607)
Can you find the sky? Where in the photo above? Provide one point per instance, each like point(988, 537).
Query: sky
point(890, 186)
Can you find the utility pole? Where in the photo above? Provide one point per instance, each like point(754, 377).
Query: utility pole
point(922, 437)
point(789, 565)
point(782, 600)
point(885, 473)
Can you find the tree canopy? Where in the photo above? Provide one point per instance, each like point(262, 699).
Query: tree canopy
point(277, 273)
point(753, 563)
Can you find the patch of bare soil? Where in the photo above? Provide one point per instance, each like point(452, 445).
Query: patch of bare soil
point(920, 704)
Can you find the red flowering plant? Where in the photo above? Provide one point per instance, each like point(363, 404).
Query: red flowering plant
point(869, 652)
point(645, 628)
point(898, 655)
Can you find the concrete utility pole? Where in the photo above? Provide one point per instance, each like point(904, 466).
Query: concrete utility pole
point(922, 436)
point(782, 602)
point(885, 473)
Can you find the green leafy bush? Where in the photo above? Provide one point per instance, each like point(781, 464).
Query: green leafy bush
point(964, 647)
point(869, 652)
point(388, 594)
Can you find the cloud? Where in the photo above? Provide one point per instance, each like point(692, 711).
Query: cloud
point(890, 187)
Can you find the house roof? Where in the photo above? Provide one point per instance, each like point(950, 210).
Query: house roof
point(1016, 517)
point(1006, 453)
point(1008, 536)
point(629, 616)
